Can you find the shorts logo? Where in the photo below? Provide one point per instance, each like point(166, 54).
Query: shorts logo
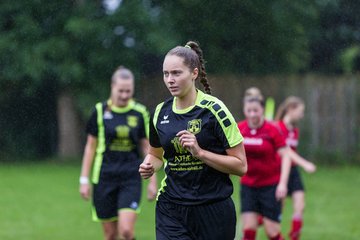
point(132, 121)
point(194, 126)
point(134, 205)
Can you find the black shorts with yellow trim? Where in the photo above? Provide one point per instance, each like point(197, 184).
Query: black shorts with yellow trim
point(210, 221)
point(261, 200)
point(111, 197)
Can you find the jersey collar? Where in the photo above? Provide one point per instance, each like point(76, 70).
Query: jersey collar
point(199, 96)
point(127, 108)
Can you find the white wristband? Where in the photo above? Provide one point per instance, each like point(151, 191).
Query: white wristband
point(84, 180)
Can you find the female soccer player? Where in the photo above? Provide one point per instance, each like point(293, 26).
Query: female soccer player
point(197, 138)
point(290, 112)
point(265, 184)
point(116, 130)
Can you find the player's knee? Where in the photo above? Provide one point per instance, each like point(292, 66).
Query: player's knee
point(272, 231)
point(299, 208)
point(126, 234)
point(110, 235)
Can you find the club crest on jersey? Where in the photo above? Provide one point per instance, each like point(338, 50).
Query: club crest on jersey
point(122, 131)
point(194, 126)
point(132, 121)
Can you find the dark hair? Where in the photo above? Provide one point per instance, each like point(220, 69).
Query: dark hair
point(289, 103)
point(123, 73)
point(193, 58)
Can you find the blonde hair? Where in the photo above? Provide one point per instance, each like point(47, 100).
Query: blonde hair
point(289, 103)
point(253, 94)
point(122, 73)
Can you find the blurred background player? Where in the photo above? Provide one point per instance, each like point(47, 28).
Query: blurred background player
point(265, 184)
point(201, 145)
point(289, 113)
point(117, 134)
point(269, 102)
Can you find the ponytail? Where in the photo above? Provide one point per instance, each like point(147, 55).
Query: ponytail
point(202, 72)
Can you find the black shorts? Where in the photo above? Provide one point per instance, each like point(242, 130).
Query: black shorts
point(295, 182)
point(261, 200)
point(111, 197)
point(212, 221)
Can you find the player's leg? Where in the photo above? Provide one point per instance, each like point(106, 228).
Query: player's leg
point(249, 211)
point(271, 211)
point(250, 224)
point(126, 224)
point(272, 229)
point(260, 220)
point(298, 198)
point(129, 195)
point(296, 189)
point(105, 209)
point(110, 230)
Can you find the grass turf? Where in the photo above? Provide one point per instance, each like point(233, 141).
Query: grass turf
point(40, 200)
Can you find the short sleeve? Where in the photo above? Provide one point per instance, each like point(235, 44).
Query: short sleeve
point(92, 126)
point(153, 134)
point(144, 128)
point(279, 139)
point(226, 127)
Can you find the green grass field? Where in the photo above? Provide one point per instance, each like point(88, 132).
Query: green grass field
point(41, 201)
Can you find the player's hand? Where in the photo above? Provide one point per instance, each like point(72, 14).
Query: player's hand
point(281, 191)
point(189, 142)
point(309, 167)
point(151, 191)
point(85, 191)
point(146, 170)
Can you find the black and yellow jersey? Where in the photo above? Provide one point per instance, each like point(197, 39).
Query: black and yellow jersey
point(118, 131)
point(187, 179)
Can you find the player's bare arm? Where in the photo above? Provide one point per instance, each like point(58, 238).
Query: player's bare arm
point(152, 162)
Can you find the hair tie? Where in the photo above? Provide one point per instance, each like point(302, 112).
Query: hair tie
point(187, 46)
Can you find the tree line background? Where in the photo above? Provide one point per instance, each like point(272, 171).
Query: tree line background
point(57, 57)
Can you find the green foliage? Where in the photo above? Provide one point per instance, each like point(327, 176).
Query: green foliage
point(348, 58)
point(73, 43)
point(66, 45)
point(244, 36)
point(337, 31)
